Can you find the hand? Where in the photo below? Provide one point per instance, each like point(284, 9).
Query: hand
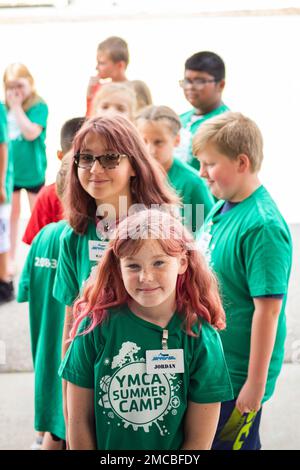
point(14, 98)
point(2, 194)
point(250, 397)
point(91, 86)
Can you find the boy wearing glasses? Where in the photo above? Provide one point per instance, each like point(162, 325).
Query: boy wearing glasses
point(203, 84)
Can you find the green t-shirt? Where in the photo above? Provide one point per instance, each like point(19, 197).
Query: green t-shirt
point(250, 249)
point(46, 326)
point(29, 156)
point(9, 165)
point(77, 257)
point(193, 190)
point(190, 123)
point(133, 409)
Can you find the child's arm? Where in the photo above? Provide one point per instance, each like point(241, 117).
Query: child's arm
point(3, 166)
point(30, 130)
point(263, 334)
point(200, 425)
point(81, 418)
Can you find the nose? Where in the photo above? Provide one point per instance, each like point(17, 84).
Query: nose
point(97, 168)
point(203, 171)
point(151, 149)
point(146, 275)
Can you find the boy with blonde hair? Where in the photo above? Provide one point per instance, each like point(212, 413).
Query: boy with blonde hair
point(249, 246)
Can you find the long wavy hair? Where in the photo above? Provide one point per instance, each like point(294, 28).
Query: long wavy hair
point(14, 72)
point(149, 185)
point(197, 293)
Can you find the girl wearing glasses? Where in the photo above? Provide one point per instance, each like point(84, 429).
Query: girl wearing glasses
point(146, 368)
point(111, 172)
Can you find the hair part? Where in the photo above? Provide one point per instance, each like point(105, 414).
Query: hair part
point(232, 134)
point(148, 186)
point(208, 62)
point(161, 113)
point(197, 294)
point(116, 48)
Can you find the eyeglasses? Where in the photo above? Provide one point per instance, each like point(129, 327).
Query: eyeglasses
point(198, 83)
point(108, 161)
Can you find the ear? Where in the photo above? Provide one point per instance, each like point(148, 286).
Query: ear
point(177, 140)
point(60, 154)
point(243, 163)
point(221, 85)
point(183, 264)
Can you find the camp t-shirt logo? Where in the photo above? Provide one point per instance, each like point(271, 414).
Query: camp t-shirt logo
point(134, 397)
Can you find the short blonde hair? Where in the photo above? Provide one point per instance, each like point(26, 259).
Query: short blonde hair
point(232, 134)
point(109, 89)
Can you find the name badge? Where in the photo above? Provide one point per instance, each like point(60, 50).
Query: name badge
point(162, 361)
point(203, 242)
point(96, 249)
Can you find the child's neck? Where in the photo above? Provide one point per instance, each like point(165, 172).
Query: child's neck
point(209, 108)
point(159, 315)
point(121, 77)
point(115, 208)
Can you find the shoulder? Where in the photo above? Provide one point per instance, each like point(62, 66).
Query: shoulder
point(53, 229)
point(2, 111)
point(263, 213)
point(38, 108)
point(185, 117)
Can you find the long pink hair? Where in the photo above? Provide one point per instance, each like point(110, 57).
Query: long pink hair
point(148, 187)
point(197, 294)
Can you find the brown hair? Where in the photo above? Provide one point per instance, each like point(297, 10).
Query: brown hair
point(148, 186)
point(161, 113)
point(232, 134)
point(143, 93)
point(14, 72)
point(116, 47)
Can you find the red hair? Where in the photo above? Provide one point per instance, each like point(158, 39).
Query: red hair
point(197, 294)
point(148, 186)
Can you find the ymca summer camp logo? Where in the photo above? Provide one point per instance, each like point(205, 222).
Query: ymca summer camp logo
point(131, 397)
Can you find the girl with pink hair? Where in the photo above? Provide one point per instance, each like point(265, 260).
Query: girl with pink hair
point(145, 368)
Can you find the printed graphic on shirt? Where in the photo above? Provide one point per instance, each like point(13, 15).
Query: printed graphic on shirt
point(134, 397)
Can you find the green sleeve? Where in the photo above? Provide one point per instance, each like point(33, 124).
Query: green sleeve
point(3, 125)
point(66, 287)
point(267, 254)
point(77, 366)
point(39, 114)
point(24, 282)
point(209, 377)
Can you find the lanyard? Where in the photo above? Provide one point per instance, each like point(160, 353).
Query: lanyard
point(164, 340)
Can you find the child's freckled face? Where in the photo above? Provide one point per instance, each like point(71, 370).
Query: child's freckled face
point(150, 275)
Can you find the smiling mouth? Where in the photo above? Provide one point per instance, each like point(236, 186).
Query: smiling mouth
point(99, 181)
point(148, 290)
